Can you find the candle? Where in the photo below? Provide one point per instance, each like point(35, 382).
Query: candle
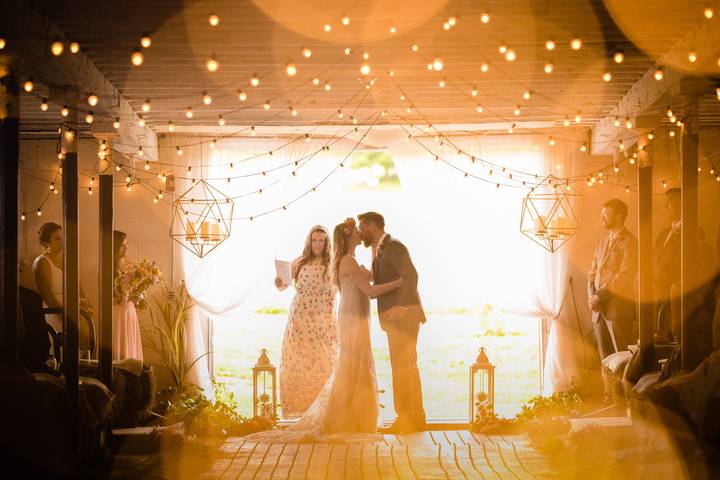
point(215, 232)
point(190, 234)
point(205, 231)
point(561, 225)
point(540, 226)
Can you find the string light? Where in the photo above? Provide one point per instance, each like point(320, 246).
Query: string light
point(39, 212)
point(145, 41)
point(659, 74)
point(583, 147)
point(221, 121)
point(266, 105)
point(578, 118)
point(22, 216)
point(672, 133)
point(214, 20)
point(441, 83)
point(485, 67)
point(171, 126)
point(526, 95)
point(502, 49)
point(709, 12)
point(576, 43)
point(137, 58)
point(365, 69)
point(44, 105)
point(619, 57)
point(28, 86)
point(291, 69)
point(628, 123)
point(307, 53)
point(516, 112)
point(327, 28)
point(140, 152)
point(566, 122)
point(254, 81)
point(189, 112)
point(692, 56)
point(57, 48)
point(146, 106)
point(206, 98)
point(345, 20)
point(550, 45)
point(179, 151)
point(510, 55)
point(141, 121)
point(485, 18)
point(74, 47)
point(548, 68)
point(242, 96)
point(414, 48)
point(327, 87)
point(438, 64)
point(293, 112)
point(212, 64)
point(89, 118)
point(607, 76)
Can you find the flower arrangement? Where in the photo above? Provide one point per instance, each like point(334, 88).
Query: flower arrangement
point(133, 280)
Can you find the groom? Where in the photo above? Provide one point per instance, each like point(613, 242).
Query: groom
point(400, 317)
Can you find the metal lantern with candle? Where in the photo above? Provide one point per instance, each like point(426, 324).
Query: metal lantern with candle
point(264, 388)
point(551, 213)
point(482, 388)
point(202, 218)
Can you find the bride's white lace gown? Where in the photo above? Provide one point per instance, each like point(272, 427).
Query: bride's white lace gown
point(347, 407)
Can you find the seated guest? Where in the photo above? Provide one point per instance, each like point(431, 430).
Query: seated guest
point(611, 281)
point(48, 271)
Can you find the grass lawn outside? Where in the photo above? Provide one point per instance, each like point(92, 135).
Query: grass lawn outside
point(447, 346)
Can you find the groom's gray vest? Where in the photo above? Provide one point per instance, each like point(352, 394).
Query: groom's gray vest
point(392, 262)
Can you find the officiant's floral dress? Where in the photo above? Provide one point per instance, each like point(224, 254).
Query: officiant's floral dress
point(310, 344)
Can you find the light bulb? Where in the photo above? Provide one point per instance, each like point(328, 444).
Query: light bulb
point(619, 57)
point(485, 18)
point(141, 121)
point(141, 152)
point(92, 100)
point(340, 114)
point(137, 58)
point(346, 20)
point(510, 55)
point(189, 112)
point(628, 123)
point(179, 151)
point(709, 12)
point(22, 216)
point(502, 49)
point(146, 106)
point(347, 51)
point(327, 28)
point(3, 42)
point(117, 168)
point(550, 45)
point(147, 165)
point(437, 64)
point(365, 69)
point(28, 86)
point(551, 142)
point(307, 53)
point(366, 56)
point(266, 105)
point(672, 133)
point(291, 69)
point(44, 106)
point(221, 121)
point(316, 81)
point(293, 112)
point(576, 43)
point(116, 124)
point(651, 136)
point(327, 87)
point(171, 126)
point(583, 147)
point(254, 81)
point(479, 109)
point(57, 48)
point(39, 212)
point(441, 83)
point(89, 118)
point(526, 95)
point(516, 112)
point(242, 96)
point(212, 65)
point(74, 47)
point(145, 41)
point(206, 98)
point(548, 68)
point(452, 21)
point(393, 29)
point(252, 131)
point(566, 122)
point(607, 76)
point(669, 112)
point(485, 67)
point(692, 56)
point(659, 74)
point(414, 48)
point(214, 20)
point(446, 26)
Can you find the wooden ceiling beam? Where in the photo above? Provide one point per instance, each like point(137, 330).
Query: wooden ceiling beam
point(648, 93)
point(68, 79)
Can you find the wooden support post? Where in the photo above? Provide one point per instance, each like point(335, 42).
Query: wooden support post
point(646, 322)
point(689, 237)
point(71, 289)
point(106, 279)
point(9, 161)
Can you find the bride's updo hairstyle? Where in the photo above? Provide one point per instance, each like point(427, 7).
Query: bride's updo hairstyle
point(340, 235)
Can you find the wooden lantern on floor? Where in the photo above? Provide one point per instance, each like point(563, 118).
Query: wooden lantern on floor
point(482, 388)
point(264, 388)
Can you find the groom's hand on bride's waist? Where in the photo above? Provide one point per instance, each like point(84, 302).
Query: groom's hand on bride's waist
point(396, 313)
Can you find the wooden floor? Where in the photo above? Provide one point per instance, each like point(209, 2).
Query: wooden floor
point(426, 455)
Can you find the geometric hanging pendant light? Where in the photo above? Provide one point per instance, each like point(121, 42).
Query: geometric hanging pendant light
point(202, 218)
point(551, 213)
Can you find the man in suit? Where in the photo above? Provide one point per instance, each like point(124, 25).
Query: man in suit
point(400, 314)
point(611, 282)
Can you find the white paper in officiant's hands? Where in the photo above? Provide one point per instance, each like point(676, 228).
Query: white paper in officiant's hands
point(284, 272)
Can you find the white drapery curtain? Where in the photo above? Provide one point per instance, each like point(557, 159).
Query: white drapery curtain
point(512, 273)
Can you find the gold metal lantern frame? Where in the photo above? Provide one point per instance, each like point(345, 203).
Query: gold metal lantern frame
point(202, 218)
point(264, 388)
point(551, 213)
point(482, 388)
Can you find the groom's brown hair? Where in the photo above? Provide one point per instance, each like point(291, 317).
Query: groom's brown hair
point(372, 217)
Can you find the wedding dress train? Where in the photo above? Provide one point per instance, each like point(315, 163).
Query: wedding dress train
point(346, 410)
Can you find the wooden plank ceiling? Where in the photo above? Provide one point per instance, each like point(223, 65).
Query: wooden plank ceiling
point(261, 37)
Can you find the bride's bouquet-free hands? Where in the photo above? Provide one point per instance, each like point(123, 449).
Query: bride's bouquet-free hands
point(134, 280)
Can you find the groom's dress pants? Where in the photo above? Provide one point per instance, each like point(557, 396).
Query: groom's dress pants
point(407, 390)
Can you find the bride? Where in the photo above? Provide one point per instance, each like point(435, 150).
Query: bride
point(348, 402)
